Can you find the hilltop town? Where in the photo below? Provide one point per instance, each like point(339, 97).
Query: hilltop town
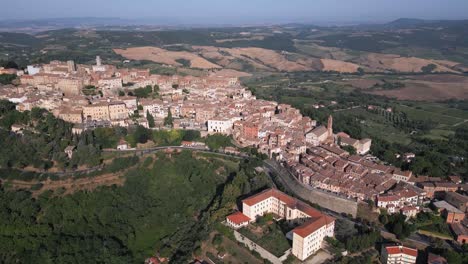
point(100, 95)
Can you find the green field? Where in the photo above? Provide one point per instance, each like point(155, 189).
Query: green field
point(271, 237)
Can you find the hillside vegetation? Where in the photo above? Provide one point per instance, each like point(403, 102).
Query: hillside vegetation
point(126, 224)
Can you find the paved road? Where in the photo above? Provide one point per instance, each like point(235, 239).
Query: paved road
point(287, 182)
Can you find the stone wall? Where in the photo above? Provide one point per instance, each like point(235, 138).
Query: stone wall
point(263, 252)
point(324, 199)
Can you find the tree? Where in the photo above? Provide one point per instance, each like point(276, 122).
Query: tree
point(217, 240)
point(156, 88)
point(429, 68)
point(360, 71)
point(150, 119)
point(143, 92)
point(7, 78)
point(383, 219)
point(141, 134)
point(350, 149)
point(168, 120)
point(121, 93)
point(10, 65)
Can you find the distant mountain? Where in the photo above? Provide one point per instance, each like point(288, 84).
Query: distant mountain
point(405, 22)
point(36, 25)
point(413, 22)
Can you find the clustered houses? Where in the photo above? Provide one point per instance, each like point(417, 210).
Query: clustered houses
point(217, 103)
point(192, 101)
point(404, 199)
point(312, 225)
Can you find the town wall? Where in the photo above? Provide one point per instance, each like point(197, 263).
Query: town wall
point(322, 198)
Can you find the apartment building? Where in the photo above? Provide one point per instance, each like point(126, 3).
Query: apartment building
point(111, 83)
point(399, 255)
point(314, 226)
point(74, 116)
point(70, 86)
point(99, 111)
point(117, 110)
point(220, 125)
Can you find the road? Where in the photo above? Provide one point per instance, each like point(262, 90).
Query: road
point(287, 181)
point(138, 152)
point(349, 108)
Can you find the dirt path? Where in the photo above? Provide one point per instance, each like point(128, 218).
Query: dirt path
point(460, 123)
point(70, 185)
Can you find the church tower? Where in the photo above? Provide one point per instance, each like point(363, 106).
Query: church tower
point(330, 128)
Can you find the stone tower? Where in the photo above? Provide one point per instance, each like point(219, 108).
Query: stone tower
point(330, 127)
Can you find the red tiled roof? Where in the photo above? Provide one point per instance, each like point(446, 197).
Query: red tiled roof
point(317, 218)
point(313, 225)
point(238, 218)
point(393, 250)
point(267, 194)
point(387, 198)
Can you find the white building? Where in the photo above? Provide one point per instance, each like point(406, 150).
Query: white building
point(314, 226)
point(33, 69)
point(399, 255)
point(237, 220)
point(123, 145)
point(154, 107)
point(220, 125)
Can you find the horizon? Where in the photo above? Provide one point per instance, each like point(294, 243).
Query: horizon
point(238, 12)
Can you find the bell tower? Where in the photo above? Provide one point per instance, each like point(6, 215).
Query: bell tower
point(330, 127)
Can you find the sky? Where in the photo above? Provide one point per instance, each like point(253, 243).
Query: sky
point(239, 11)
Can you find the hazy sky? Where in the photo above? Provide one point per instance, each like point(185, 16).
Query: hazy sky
point(239, 11)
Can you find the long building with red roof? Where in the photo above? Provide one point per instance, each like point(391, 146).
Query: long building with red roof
point(313, 227)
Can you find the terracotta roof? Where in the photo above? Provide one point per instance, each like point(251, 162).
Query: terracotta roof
point(387, 198)
point(238, 218)
point(267, 194)
point(393, 250)
point(313, 225)
point(459, 229)
point(317, 218)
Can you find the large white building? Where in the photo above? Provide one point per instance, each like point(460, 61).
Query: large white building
point(222, 125)
point(399, 255)
point(308, 236)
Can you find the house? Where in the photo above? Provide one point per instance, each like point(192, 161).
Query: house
point(122, 145)
point(460, 201)
point(237, 220)
point(460, 232)
point(399, 175)
point(455, 179)
point(398, 255)
point(17, 128)
point(433, 189)
point(383, 201)
point(69, 151)
point(409, 211)
point(449, 212)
